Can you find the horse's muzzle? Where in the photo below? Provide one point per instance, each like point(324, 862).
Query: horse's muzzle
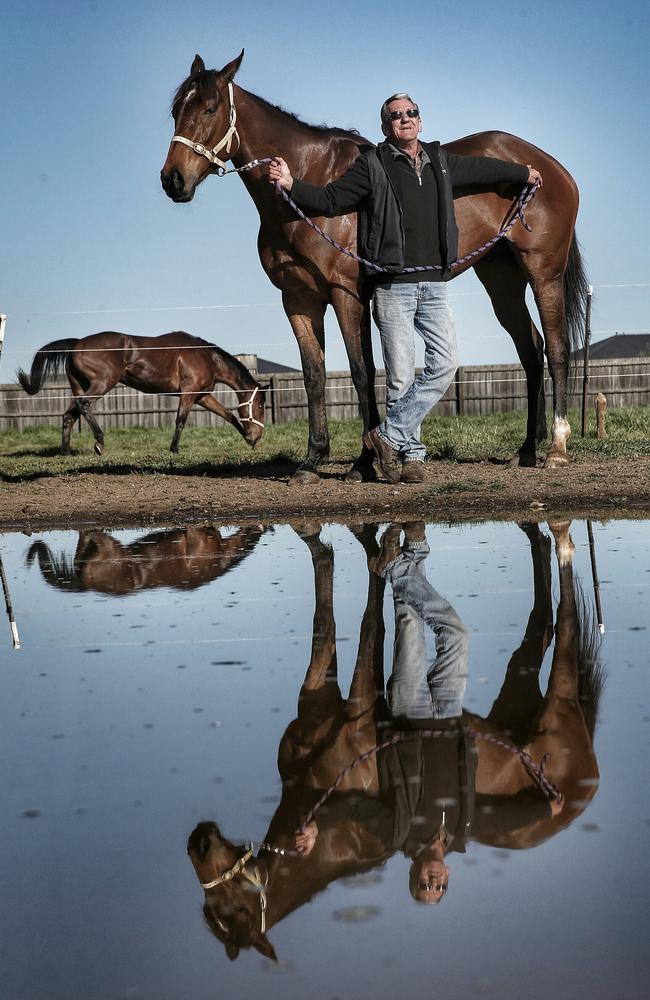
point(200, 838)
point(173, 184)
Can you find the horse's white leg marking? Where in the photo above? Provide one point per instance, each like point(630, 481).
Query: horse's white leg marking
point(557, 452)
point(564, 546)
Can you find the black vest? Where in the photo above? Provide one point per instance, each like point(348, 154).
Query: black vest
point(381, 234)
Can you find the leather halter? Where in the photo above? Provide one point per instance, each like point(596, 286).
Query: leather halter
point(250, 419)
point(211, 154)
point(239, 868)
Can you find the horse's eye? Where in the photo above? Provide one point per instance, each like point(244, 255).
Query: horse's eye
point(209, 111)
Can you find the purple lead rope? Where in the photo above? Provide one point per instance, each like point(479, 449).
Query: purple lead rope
point(523, 201)
point(537, 773)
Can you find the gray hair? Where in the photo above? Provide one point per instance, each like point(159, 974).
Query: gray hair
point(389, 100)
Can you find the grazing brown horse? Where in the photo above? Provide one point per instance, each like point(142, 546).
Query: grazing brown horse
point(231, 123)
point(183, 558)
point(175, 363)
point(330, 732)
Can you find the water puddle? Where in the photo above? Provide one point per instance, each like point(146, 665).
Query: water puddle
point(451, 722)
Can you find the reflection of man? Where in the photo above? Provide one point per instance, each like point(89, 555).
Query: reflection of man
point(415, 692)
point(426, 805)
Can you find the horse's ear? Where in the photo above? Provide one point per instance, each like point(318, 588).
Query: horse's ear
point(265, 947)
point(198, 66)
point(232, 950)
point(228, 72)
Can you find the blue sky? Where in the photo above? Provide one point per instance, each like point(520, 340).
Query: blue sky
point(90, 242)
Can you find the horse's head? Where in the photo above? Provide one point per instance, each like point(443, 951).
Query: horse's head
point(234, 907)
point(204, 135)
point(251, 414)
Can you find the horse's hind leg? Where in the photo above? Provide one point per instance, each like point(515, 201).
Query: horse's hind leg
point(70, 417)
point(546, 275)
point(307, 322)
point(185, 404)
point(84, 403)
point(505, 281)
point(520, 700)
point(549, 295)
point(353, 316)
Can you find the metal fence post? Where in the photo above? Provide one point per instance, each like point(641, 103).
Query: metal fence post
point(585, 369)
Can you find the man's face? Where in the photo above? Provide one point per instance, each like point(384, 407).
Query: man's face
point(431, 877)
point(405, 130)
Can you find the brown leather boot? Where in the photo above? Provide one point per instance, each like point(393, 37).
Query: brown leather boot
point(389, 461)
point(413, 472)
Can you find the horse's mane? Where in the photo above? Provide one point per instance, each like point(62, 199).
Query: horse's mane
point(205, 84)
point(349, 133)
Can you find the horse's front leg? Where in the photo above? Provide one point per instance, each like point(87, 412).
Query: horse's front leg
point(308, 326)
point(353, 316)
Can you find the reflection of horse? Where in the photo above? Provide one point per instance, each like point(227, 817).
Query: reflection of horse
point(330, 732)
point(173, 363)
point(561, 723)
point(184, 558)
point(312, 275)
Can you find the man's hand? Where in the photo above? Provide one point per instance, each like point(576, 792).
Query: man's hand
point(534, 176)
point(305, 841)
point(279, 173)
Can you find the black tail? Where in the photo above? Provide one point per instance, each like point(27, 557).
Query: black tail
point(576, 287)
point(58, 571)
point(47, 362)
point(591, 673)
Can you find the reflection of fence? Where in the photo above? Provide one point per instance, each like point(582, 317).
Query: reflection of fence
point(477, 389)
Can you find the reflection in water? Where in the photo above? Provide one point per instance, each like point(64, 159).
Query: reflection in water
point(424, 796)
point(183, 558)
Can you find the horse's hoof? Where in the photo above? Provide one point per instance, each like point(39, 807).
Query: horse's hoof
point(555, 460)
point(361, 474)
point(304, 477)
point(307, 529)
point(99, 447)
point(523, 460)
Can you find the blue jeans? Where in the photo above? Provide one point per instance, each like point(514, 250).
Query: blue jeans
point(418, 690)
point(400, 310)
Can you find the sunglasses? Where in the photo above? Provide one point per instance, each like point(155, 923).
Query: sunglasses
point(428, 886)
point(394, 116)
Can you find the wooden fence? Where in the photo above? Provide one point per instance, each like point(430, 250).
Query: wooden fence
point(477, 389)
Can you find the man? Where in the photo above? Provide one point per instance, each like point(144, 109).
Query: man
point(403, 191)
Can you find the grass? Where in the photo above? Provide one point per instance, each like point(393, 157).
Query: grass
point(33, 453)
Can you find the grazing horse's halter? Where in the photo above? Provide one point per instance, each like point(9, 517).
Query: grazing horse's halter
point(239, 868)
point(211, 154)
point(250, 419)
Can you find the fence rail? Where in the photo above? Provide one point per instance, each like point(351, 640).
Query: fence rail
point(477, 389)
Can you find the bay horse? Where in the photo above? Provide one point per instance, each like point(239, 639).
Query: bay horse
point(216, 120)
point(330, 732)
point(175, 363)
point(181, 558)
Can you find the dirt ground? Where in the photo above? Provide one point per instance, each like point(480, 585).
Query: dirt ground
point(451, 492)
